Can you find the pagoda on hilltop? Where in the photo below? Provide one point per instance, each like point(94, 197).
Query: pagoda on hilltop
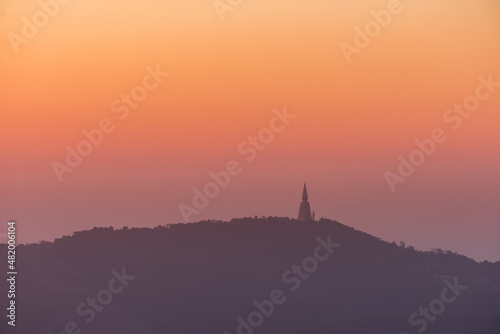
point(305, 208)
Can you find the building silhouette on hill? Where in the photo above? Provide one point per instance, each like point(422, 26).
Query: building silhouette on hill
point(305, 208)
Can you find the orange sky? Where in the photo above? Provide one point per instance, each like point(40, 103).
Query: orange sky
point(352, 121)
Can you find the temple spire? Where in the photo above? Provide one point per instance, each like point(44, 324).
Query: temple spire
point(305, 208)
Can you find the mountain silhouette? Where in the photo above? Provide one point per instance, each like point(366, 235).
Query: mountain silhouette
point(222, 277)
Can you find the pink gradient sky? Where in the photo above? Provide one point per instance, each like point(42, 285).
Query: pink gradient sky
point(353, 120)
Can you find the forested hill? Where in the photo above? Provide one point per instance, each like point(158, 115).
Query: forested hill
point(268, 275)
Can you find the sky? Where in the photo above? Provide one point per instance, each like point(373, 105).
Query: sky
point(218, 75)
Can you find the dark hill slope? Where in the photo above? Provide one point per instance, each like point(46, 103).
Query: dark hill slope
point(199, 278)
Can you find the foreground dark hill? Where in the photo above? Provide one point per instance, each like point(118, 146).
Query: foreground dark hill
point(200, 278)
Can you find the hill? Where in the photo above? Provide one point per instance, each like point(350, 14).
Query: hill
point(268, 275)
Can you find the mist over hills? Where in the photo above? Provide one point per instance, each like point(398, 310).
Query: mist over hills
point(249, 275)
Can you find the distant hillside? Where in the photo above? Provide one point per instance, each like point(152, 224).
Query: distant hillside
point(201, 277)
